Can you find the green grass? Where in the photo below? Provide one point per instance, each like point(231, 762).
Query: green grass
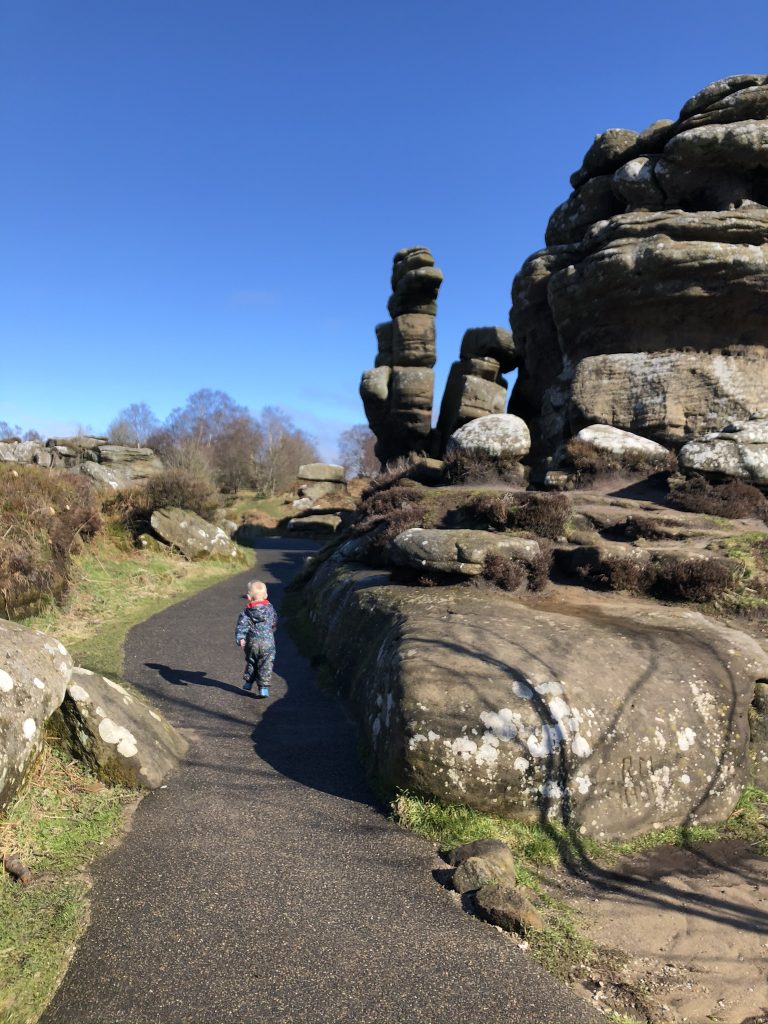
point(57, 824)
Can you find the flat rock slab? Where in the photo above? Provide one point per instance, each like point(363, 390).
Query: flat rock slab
point(265, 884)
point(461, 552)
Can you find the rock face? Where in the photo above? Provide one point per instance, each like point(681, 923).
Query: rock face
point(647, 309)
point(111, 464)
point(121, 739)
point(457, 552)
point(397, 393)
point(34, 671)
point(611, 713)
point(191, 534)
point(738, 452)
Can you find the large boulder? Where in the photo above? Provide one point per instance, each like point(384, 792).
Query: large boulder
point(322, 471)
point(738, 452)
point(192, 535)
point(647, 310)
point(34, 672)
point(609, 713)
point(115, 733)
point(498, 436)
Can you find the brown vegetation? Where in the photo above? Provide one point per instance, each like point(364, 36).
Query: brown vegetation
point(43, 518)
point(589, 462)
point(732, 500)
point(461, 468)
point(176, 488)
point(699, 580)
point(540, 514)
point(387, 511)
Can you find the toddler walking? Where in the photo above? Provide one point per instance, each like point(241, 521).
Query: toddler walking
point(255, 633)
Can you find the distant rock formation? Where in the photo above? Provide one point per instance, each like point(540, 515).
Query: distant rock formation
point(648, 309)
point(397, 393)
point(112, 464)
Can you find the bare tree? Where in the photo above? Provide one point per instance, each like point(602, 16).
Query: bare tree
point(356, 451)
point(284, 448)
point(133, 425)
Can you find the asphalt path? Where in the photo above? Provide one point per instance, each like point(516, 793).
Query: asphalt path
point(265, 883)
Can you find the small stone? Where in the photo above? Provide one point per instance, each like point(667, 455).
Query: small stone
point(508, 908)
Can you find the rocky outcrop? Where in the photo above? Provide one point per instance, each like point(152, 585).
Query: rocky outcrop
point(192, 535)
point(500, 440)
point(458, 552)
point(611, 713)
point(319, 479)
point(113, 465)
point(34, 671)
point(647, 309)
point(121, 739)
point(397, 393)
point(738, 452)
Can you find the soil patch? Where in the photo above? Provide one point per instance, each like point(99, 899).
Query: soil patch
point(690, 930)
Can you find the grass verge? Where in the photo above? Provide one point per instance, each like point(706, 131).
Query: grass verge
point(63, 817)
point(60, 821)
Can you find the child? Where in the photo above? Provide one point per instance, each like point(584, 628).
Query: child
point(255, 633)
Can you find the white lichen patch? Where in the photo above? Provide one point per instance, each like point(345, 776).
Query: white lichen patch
point(583, 783)
point(38, 683)
point(28, 728)
point(154, 715)
point(6, 682)
point(112, 733)
point(118, 687)
point(79, 694)
point(521, 764)
point(686, 738)
point(500, 723)
point(581, 747)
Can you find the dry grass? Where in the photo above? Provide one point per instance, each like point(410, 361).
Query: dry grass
point(589, 462)
point(540, 514)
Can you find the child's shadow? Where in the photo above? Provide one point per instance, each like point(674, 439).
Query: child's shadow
point(185, 677)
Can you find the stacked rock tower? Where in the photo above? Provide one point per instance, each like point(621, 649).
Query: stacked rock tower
point(397, 393)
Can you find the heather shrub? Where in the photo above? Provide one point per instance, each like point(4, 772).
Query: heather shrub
point(588, 461)
point(696, 579)
point(540, 566)
point(44, 517)
point(506, 573)
point(180, 488)
point(464, 468)
point(734, 499)
point(387, 512)
point(541, 514)
point(625, 573)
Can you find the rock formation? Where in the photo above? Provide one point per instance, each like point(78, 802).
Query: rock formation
point(475, 385)
point(112, 464)
point(397, 393)
point(647, 309)
point(192, 535)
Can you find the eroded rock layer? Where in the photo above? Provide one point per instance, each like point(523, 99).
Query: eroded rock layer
point(647, 310)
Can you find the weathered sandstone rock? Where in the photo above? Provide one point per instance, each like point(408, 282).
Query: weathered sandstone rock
point(611, 713)
point(621, 443)
point(507, 907)
point(497, 436)
point(458, 552)
point(328, 523)
point(34, 671)
point(120, 737)
point(191, 534)
point(647, 311)
point(322, 471)
point(739, 452)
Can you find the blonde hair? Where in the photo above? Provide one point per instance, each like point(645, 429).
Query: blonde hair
point(257, 590)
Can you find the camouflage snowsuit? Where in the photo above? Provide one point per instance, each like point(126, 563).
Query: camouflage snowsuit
point(256, 625)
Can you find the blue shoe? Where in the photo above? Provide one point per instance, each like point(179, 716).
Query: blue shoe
point(263, 691)
point(247, 686)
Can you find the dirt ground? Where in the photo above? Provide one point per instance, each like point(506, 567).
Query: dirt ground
point(691, 927)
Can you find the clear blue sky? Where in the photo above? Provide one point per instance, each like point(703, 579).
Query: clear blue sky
point(208, 193)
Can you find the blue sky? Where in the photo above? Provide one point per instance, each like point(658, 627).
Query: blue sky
point(208, 193)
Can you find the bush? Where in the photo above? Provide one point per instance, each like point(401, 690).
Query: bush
point(44, 517)
point(543, 515)
point(696, 579)
point(540, 566)
point(507, 573)
point(176, 488)
point(732, 500)
point(463, 468)
point(624, 573)
point(588, 461)
point(389, 511)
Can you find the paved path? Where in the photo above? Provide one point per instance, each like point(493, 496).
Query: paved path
point(264, 884)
